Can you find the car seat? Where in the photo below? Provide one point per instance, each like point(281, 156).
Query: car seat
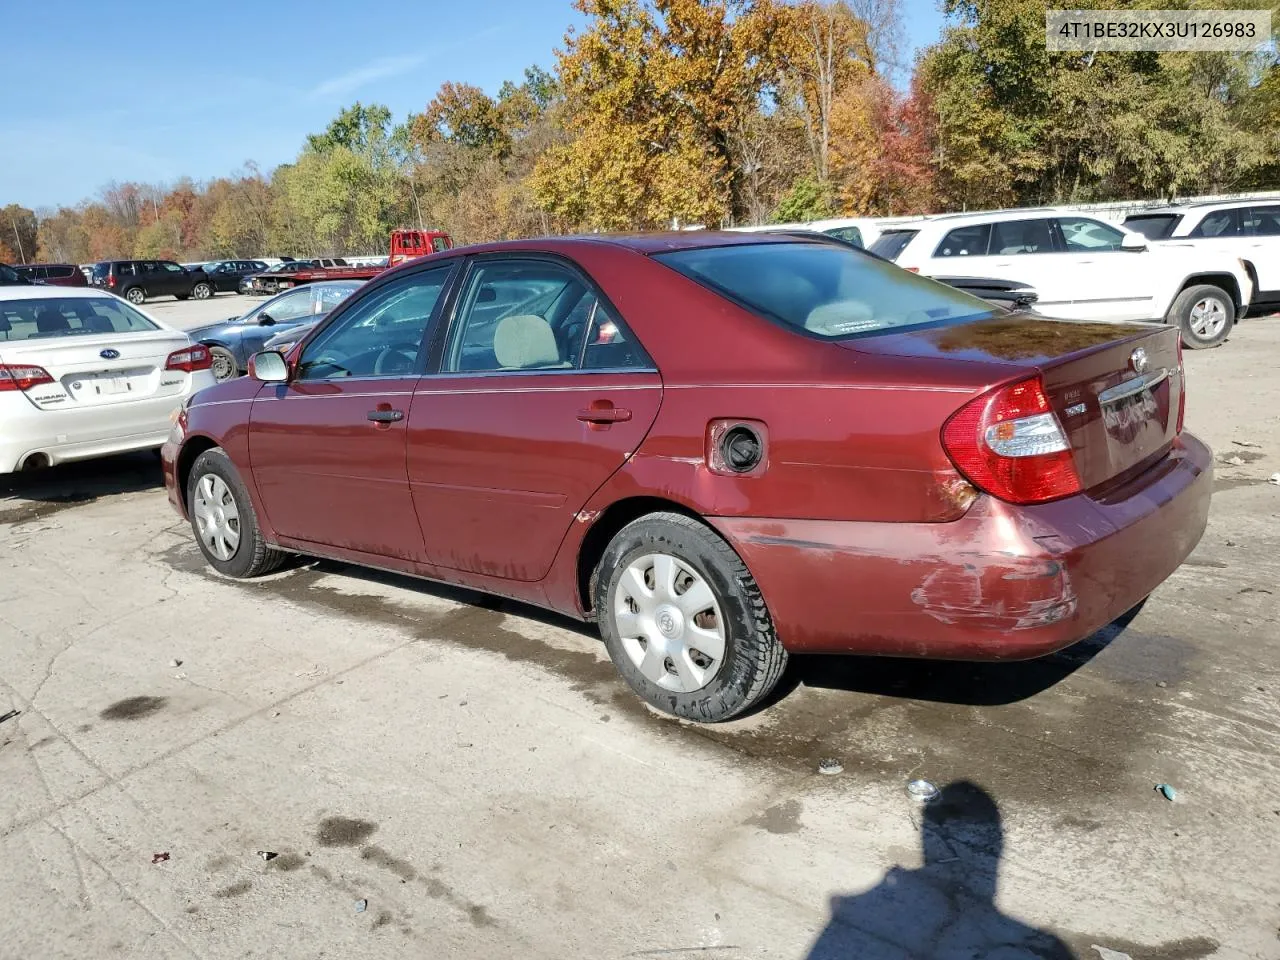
point(49, 320)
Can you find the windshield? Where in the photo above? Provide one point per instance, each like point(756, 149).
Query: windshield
point(891, 243)
point(825, 290)
point(1154, 226)
point(48, 317)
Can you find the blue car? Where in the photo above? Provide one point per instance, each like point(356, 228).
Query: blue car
point(234, 341)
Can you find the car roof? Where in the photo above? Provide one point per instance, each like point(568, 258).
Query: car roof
point(38, 292)
point(1205, 206)
point(645, 243)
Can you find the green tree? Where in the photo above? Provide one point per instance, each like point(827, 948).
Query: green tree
point(18, 230)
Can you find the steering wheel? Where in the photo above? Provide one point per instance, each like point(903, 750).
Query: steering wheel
point(386, 363)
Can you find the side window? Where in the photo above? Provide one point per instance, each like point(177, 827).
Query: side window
point(171, 267)
point(438, 244)
point(291, 306)
point(126, 269)
point(519, 315)
point(146, 266)
point(381, 335)
point(610, 345)
point(330, 297)
point(1012, 237)
point(1262, 222)
point(847, 234)
point(1220, 223)
point(1088, 236)
point(970, 241)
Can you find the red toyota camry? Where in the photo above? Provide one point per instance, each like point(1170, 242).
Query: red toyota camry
point(721, 448)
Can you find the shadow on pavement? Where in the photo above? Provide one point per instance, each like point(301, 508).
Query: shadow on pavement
point(944, 909)
point(951, 681)
point(33, 494)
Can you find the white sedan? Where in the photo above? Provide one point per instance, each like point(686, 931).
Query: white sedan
point(85, 374)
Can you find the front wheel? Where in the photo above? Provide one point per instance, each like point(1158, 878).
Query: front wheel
point(136, 295)
point(684, 621)
point(202, 291)
point(224, 364)
point(1204, 314)
point(223, 519)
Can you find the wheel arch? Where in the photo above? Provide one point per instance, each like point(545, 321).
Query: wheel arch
point(192, 447)
point(1226, 281)
point(606, 526)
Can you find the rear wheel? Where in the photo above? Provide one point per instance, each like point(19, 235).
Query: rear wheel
point(1205, 315)
point(202, 291)
point(223, 519)
point(136, 295)
point(684, 621)
point(224, 364)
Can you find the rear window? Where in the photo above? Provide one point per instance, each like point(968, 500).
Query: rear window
point(68, 317)
point(1154, 226)
point(61, 272)
point(828, 291)
point(891, 243)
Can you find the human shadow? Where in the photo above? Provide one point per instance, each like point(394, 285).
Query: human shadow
point(944, 910)
point(951, 681)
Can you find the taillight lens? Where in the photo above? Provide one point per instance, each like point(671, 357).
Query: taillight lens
point(190, 359)
point(1009, 443)
point(111, 280)
point(22, 376)
point(1182, 390)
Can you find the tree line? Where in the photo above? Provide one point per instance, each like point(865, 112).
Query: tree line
point(721, 112)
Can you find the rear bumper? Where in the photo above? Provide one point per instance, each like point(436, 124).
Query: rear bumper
point(1002, 583)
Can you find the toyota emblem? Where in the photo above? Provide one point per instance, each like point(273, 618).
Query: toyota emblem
point(109, 354)
point(1138, 360)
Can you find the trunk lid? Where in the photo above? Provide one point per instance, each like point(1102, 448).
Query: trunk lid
point(83, 377)
point(1115, 387)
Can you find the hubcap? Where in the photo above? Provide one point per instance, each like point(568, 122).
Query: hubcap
point(201, 291)
point(1208, 317)
point(224, 367)
point(135, 296)
point(217, 517)
point(669, 622)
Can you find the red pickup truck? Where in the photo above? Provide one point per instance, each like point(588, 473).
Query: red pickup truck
point(405, 245)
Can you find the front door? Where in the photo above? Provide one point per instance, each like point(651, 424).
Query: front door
point(174, 279)
point(541, 395)
point(328, 448)
point(1109, 282)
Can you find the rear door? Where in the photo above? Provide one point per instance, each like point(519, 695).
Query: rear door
point(175, 279)
point(541, 395)
point(1261, 227)
point(328, 448)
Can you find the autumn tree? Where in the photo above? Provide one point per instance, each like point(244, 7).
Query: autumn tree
point(18, 230)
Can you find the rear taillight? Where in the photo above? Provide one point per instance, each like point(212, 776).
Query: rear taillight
point(1182, 390)
point(1009, 443)
point(111, 280)
point(22, 376)
point(911, 269)
point(190, 359)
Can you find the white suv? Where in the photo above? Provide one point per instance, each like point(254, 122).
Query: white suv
point(1248, 229)
point(1081, 268)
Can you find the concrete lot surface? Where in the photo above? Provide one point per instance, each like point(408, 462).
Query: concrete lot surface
point(441, 775)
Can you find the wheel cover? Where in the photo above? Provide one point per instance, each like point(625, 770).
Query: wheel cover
point(669, 622)
point(1208, 317)
point(224, 366)
point(217, 516)
point(136, 296)
point(201, 291)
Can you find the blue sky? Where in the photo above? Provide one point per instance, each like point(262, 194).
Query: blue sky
point(158, 90)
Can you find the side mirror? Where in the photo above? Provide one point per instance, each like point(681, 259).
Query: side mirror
point(1133, 242)
point(266, 319)
point(269, 367)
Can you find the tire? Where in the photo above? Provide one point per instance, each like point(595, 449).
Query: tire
point(136, 295)
point(202, 291)
point(1204, 314)
point(674, 549)
point(224, 364)
point(249, 556)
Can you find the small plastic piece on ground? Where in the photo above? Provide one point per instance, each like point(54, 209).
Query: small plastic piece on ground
point(1275, 478)
point(1235, 460)
point(830, 766)
point(175, 662)
point(1245, 443)
point(1161, 684)
point(9, 716)
point(1166, 791)
point(1106, 954)
point(160, 857)
point(362, 906)
point(922, 791)
point(268, 854)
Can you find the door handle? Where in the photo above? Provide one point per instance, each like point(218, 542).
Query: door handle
point(385, 416)
point(604, 414)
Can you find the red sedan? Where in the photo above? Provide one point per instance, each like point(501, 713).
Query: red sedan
point(721, 448)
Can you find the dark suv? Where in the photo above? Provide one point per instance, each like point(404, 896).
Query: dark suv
point(54, 274)
point(227, 274)
point(138, 280)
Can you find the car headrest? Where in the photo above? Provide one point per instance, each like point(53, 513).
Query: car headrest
point(49, 320)
point(525, 340)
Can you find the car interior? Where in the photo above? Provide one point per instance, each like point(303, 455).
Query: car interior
point(38, 319)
